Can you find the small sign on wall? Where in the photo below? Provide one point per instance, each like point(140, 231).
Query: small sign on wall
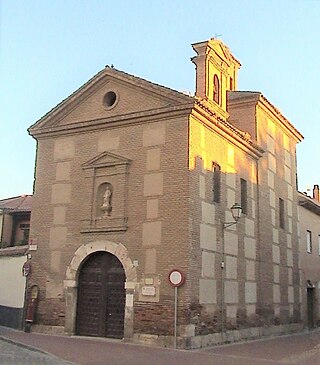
point(149, 288)
point(33, 244)
point(149, 291)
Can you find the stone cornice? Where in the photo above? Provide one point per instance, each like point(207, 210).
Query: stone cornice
point(212, 108)
point(115, 121)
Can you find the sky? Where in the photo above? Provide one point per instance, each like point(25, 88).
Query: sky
point(48, 49)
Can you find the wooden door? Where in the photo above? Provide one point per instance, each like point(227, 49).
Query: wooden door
point(101, 297)
point(310, 308)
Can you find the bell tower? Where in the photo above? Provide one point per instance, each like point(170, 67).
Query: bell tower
point(216, 73)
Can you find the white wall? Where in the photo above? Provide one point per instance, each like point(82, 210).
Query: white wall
point(12, 283)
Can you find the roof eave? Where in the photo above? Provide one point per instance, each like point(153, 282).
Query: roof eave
point(299, 137)
point(309, 203)
point(242, 138)
point(95, 82)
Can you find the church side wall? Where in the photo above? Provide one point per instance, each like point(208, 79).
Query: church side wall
point(231, 289)
point(279, 299)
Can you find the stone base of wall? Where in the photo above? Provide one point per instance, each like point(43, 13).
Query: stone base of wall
point(196, 342)
point(11, 317)
point(50, 330)
point(154, 340)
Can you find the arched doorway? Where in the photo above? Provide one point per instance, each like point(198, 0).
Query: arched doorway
point(101, 297)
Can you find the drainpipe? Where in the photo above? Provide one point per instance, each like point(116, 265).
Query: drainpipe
point(1, 224)
point(222, 265)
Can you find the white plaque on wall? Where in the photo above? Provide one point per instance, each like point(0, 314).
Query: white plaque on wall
point(148, 291)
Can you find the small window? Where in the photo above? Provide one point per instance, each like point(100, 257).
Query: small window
point(231, 83)
point(110, 99)
point(216, 89)
point(25, 227)
point(216, 183)
point(309, 242)
point(281, 213)
point(244, 195)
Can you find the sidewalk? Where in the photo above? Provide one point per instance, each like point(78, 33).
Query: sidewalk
point(17, 354)
point(303, 349)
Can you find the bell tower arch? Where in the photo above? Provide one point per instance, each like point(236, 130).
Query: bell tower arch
point(216, 73)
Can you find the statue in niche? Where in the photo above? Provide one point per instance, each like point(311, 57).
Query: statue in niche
point(107, 200)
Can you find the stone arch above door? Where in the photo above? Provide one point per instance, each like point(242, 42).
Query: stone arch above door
point(71, 281)
point(119, 250)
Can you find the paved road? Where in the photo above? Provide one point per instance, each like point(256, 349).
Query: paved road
point(303, 349)
point(13, 354)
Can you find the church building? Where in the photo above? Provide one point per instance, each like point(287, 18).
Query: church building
point(135, 181)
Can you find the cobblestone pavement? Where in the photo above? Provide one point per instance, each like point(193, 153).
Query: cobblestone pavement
point(13, 354)
point(302, 349)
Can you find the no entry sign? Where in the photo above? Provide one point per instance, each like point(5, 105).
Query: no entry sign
point(176, 278)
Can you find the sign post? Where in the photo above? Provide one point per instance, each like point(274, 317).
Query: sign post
point(176, 279)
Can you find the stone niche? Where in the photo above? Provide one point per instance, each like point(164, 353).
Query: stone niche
point(108, 178)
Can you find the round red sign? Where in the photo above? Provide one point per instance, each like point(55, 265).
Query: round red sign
point(176, 277)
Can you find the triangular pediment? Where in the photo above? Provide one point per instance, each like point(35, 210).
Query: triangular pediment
point(108, 95)
point(106, 159)
point(223, 51)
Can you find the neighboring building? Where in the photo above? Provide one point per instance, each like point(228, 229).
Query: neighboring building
point(14, 234)
point(134, 180)
point(309, 212)
point(15, 221)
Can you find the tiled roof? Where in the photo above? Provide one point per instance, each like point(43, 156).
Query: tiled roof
point(21, 203)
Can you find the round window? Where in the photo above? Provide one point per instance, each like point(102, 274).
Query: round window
point(110, 99)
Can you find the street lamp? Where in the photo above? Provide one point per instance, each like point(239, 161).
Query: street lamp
point(236, 211)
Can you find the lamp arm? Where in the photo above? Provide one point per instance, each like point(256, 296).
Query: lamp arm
point(228, 224)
